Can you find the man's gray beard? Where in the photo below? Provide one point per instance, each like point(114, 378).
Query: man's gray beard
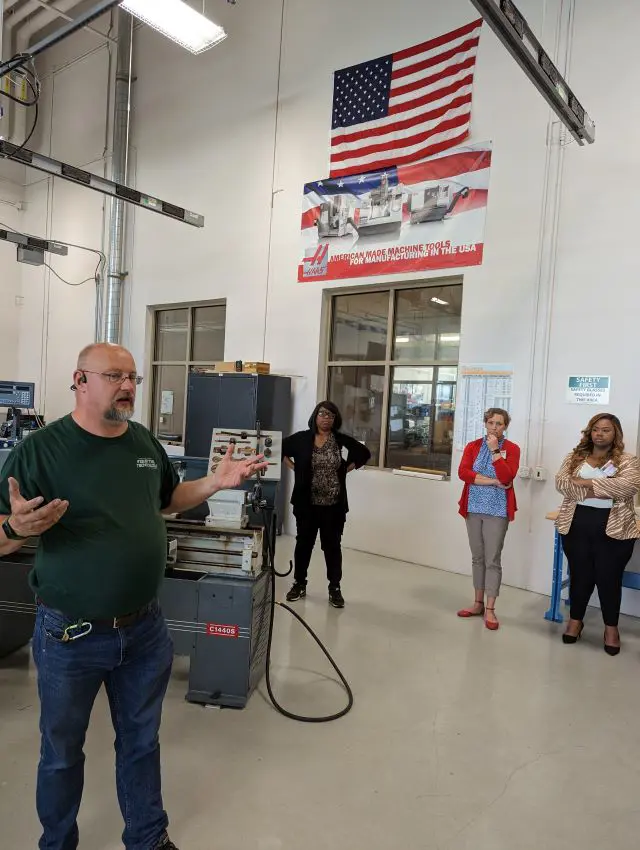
point(115, 414)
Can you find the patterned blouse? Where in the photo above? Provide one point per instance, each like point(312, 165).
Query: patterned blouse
point(621, 488)
point(325, 483)
point(491, 501)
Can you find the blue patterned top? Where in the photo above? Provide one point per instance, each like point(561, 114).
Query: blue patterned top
point(482, 499)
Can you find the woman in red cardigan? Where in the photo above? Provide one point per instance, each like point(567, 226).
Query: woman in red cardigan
point(488, 468)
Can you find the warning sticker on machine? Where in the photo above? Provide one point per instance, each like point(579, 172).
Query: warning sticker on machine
point(220, 630)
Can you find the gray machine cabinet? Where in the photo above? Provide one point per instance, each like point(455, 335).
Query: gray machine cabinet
point(179, 603)
point(230, 653)
point(17, 613)
point(237, 400)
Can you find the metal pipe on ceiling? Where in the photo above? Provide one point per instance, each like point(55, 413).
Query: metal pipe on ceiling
point(109, 302)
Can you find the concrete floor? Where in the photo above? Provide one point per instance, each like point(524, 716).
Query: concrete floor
point(460, 739)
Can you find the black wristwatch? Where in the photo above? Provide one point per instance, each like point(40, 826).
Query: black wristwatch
point(10, 533)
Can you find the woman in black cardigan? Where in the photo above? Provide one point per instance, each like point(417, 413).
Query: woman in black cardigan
point(321, 458)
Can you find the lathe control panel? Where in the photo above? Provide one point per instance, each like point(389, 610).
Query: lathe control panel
point(247, 443)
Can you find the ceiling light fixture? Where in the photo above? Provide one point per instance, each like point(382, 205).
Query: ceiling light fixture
point(176, 20)
point(439, 301)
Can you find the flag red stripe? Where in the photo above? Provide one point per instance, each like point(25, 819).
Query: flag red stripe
point(398, 126)
point(434, 78)
point(436, 42)
point(399, 73)
point(432, 97)
point(429, 150)
point(402, 144)
point(444, 167)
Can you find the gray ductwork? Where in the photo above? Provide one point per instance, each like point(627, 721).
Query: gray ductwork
point(109, 296)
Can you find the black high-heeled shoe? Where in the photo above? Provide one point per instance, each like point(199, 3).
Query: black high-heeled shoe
point(571, 639)
point(609, 649)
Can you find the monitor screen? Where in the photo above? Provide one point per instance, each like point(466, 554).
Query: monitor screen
point(17, 394)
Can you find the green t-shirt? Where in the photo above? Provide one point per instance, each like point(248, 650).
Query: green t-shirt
point(106, 557)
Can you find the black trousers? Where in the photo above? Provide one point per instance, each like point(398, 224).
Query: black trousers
point(595, 560)
point(329, 521)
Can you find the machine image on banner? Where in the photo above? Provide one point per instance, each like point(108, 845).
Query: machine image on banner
point(425, 216)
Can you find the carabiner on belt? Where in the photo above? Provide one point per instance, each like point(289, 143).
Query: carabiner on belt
point(76, 631)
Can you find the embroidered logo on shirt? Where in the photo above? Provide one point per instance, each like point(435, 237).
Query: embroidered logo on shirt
point(146, 463)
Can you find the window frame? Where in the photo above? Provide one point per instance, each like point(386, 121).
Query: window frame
point(188, 364)
point(388, 363)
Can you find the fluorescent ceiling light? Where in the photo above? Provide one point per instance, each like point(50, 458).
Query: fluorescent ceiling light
point(178, 21)
point(401, 339)
point(439, 301)
point(449, 337)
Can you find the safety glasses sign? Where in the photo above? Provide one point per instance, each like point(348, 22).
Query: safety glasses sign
point(588, 389)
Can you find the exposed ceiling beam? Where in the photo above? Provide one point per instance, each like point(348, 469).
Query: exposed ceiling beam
point(26, 20)
point(59, 35)
point(54, 10)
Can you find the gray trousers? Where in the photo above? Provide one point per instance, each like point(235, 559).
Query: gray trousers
point(486, 539)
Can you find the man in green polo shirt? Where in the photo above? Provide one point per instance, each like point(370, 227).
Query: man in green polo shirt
point(92, 487)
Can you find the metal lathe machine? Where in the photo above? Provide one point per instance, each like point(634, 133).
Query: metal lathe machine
point(217, 591)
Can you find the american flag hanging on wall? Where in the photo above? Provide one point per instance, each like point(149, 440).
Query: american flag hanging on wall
point(406, 106)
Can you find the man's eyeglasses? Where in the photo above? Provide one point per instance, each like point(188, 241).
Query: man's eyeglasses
point(118, 377)
point(325, 414)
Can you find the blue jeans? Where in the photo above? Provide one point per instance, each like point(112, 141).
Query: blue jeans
point(134, 664)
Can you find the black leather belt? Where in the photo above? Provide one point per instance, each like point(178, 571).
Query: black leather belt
point(113, 623)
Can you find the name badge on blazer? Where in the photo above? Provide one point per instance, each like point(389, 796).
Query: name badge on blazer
point(344, 452)
point(503, 454)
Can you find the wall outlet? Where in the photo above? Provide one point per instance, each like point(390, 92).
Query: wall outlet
point(524, 472)
point(540, 473)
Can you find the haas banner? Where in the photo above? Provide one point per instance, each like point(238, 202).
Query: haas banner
point(421, 217)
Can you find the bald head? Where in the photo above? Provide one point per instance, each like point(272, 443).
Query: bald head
point(101, 353)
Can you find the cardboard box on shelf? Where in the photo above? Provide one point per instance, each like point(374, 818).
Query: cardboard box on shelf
point(235, 366)
point(260, 368)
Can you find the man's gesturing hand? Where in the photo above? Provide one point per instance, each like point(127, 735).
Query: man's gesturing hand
point(31, 518)
point(230, 473)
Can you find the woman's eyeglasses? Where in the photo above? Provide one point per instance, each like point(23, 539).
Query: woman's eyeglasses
point(325, 414)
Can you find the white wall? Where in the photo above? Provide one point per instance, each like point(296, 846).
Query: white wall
point(204, 131)
point(11, 197)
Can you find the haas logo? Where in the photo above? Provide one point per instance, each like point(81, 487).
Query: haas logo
point(318, 264)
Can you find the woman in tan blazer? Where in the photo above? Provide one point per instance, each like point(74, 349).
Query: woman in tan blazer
point(597, 522)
